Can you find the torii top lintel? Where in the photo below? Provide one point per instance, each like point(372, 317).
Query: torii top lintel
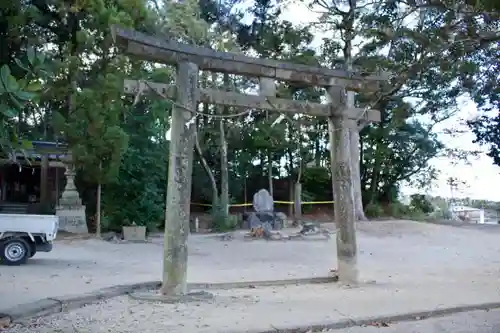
point(169, 52)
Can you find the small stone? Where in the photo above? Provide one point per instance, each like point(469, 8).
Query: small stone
point(226, 237)
point(281, 218)
point(109, 237)
point(309, 228)
point(5, 321)
point(275, 236)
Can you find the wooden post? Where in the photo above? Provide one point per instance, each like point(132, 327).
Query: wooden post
point(342, 186)
point(291, 198)
point(268, 89)
point(44, 183)
point(98, 206)
point(179, 182)
point(56, 171)
point(245, 199)
point(298, 202)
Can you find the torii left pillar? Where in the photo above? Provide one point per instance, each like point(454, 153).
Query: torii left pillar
point(180, 168)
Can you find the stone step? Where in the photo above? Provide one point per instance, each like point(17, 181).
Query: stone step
point(13, 208)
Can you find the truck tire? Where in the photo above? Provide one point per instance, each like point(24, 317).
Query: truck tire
point(14, 251)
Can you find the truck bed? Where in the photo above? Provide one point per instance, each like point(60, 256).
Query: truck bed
point(30, 223)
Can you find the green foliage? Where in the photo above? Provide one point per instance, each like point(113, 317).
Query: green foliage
point(93, 131)
point(17, 93)
point(399, 210)
point(420, 203)
point(318, 182)
point(221, 222)
point(308, 196)
point(374, 210)
point(486, 130)
point(139, 192)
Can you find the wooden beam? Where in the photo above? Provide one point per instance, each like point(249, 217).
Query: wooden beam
point(262, 102)
point(229, 98)
point(133, 87)
point(169, 52)
point(359, 114)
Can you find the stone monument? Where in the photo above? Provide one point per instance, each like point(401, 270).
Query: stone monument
point(264, 216)
point(70, 210)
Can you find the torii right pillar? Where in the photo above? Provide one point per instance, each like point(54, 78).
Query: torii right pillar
point(343, 119)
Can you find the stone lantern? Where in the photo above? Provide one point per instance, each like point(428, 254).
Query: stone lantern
point(70, 210)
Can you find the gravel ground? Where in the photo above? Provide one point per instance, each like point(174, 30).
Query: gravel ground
point(467, 322)
point(418, 264)
point(255, 310)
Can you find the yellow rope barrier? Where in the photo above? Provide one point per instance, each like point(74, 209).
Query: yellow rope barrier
point(276, 202)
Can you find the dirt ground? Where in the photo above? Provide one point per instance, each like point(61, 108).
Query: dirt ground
point(397, 252)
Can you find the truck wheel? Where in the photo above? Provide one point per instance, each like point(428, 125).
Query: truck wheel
point(32, 252)
point(14, 252)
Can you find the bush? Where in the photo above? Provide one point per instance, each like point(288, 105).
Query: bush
point(419, 203)
point(418, 215)
point(306, 197)
point(221, 221)
point(399, 209)
point(374, 210)
point(319, 182)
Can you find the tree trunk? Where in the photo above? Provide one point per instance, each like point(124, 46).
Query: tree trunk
point(224, 170)
point(270, 171)
point(317, 147)
point(377, 163)
point(210, 174)
point(356, 174)
point(98, 212)
point(290, 172)
point(375, 176)
point(297, 202)
point(268, 88)
point(245, 199)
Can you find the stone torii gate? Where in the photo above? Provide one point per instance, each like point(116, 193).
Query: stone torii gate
point(188, 61)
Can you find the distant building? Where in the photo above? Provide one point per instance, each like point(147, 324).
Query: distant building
point(473, 215)
point(33, 178)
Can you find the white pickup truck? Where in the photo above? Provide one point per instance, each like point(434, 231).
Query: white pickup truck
point(23, 235)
